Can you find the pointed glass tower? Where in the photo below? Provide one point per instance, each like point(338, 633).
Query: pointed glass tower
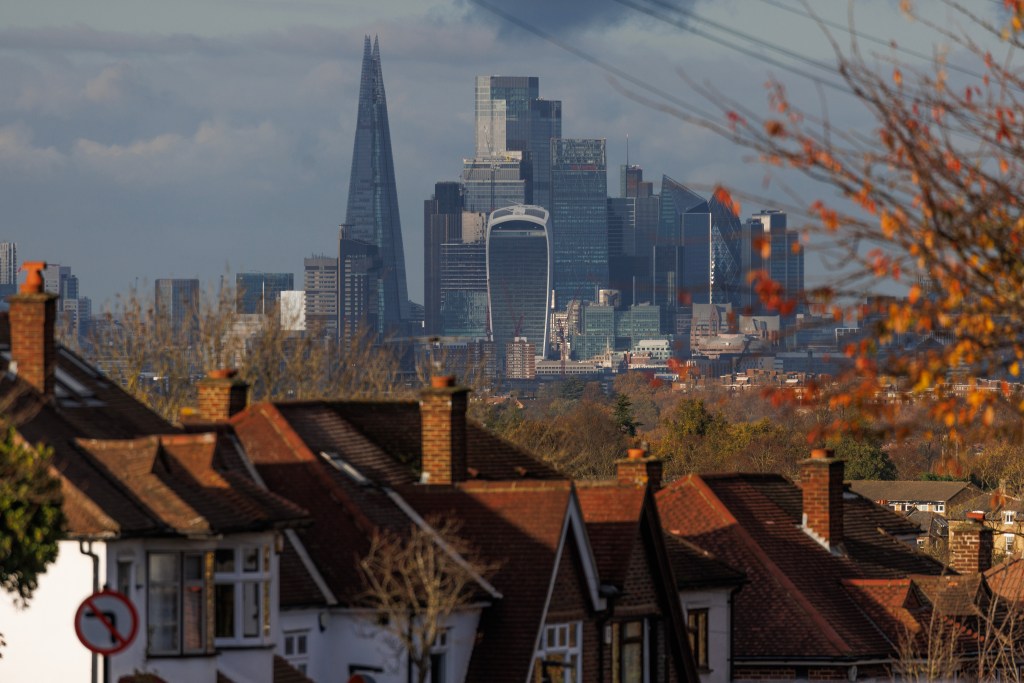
point(372, 214)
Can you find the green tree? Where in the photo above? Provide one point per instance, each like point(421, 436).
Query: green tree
point(624, 418)
point(31, 517)
point(864, 459)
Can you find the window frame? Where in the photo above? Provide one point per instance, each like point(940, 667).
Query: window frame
point(182, 586)
point(698, 631)
point(439, 657)
point(627, 639)
point(570, 647)
point(298, 657)
point(242, 584)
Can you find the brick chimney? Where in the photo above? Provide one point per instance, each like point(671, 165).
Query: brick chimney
point(970, 545)
point(639, 469)
point(821, 478)
point(443, 431)
point(221, 394)
point(32, 316)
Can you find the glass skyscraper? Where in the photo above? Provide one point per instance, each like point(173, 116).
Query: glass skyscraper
point(372, 214)
point(579, 219)
point(519, 276)
point(260, 292)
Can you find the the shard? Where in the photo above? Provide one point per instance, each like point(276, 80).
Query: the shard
point(372, 214)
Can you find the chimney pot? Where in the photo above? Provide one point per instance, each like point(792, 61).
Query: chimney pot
point(33, 283)
point(638, 469)
point(822, 453)
point(442, 381)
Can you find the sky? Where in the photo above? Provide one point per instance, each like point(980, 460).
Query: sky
point(197, 138)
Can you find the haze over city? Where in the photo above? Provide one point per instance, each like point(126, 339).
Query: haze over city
point(139, 141)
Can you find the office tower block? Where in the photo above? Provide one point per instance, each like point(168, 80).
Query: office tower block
point(8, 268)
point(260, 292)
point(493, 182)
point(768, 245)
point(519, 276)
point(464, 288)
point(321, 287)
point(710, 234)
point(579, 219)
point(57, 279)
point(442, 223)
point(359, 277)
point(177, 303)
point(372, 196)
point(512, 121)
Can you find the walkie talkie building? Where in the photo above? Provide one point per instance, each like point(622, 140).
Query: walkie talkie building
point(519, 276)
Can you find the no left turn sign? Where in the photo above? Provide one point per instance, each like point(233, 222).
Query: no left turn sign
point(106, 622)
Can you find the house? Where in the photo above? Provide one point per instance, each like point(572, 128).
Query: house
point(943, 497)
point(829, 582)
point(563, 602)
point(172, 520)
point(1004, 514)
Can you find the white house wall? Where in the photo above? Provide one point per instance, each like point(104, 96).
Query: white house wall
point(41, 640)
point(716, 602)
point(352, 638)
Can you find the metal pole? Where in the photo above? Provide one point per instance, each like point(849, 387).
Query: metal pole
point(85, 547)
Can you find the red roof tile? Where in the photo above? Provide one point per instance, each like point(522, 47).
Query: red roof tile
point(612, 515)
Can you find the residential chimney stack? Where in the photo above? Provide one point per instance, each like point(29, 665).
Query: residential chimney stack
point(639, 469)
point(971, 544)
point(33, 313)
point(221, 394)
point(821, 478)
point(443, 431)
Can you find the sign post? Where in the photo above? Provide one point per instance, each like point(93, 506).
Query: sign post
point(106, 622)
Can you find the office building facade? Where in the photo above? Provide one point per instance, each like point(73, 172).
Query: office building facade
point(177, 303)
point(8, 268)
point(519, 276)
point(260, 293)
point(442, 223)
point(579, 218)
point(360, 304)
point(320, 281)
point(372, 211)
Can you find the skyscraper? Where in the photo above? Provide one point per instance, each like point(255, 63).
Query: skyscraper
point(260, 292)
point(177, 302)
point(769, 246)
point(372, 196)
point(8, 267)
point(359, 268)
point(519, 276)
point(321, 286)
point(579, 218)
point(442, 223)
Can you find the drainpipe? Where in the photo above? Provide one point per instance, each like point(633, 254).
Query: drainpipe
point(85, 547)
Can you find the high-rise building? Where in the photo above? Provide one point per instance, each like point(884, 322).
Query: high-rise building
point(493, 182)
point(321, 286)
point(359, 274)
point(511, 118)
point(768, 245)
point(260, 292)
point(442, 223)
point(710, 234)
point(579, 218)
point(519, 276)
point(8, 268)
point(177, 302)
point(372, 195)
point(57, 279)
point(464, 288)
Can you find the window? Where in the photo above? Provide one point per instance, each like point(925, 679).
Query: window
point(124, 576)
point(697, 625)
point(559, 657)
point(439, 659)
point(176, 604)
point(1009, 516)
point(631, 652)
point(241, 594)
point(296, 649)
point(1008, 543)
point(940, 507)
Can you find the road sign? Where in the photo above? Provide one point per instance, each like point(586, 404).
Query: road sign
point(106, 622)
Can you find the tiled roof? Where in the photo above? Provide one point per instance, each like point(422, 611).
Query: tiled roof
point(191, 483)
point(910, 489)
point(612, 515)
point(517, 525)
point(286, 673)
point(1006, 580)
point(695, 567)
point(794, 604)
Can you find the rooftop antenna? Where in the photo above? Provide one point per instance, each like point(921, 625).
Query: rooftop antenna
point(627, 150)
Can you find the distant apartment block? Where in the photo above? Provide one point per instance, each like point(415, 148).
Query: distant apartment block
point(8, 268)
point(177, 302)
point(321, 287)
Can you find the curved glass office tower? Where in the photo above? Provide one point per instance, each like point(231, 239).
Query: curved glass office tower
point(519, 276)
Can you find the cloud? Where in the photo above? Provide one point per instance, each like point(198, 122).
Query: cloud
point(216, 152)
point(18, 155)
point(559, 17)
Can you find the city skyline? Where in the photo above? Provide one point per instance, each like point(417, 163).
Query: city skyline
point(217, 142)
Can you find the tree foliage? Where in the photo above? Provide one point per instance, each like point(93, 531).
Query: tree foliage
point(31, 517)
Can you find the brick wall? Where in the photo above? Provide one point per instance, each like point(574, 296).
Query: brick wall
point(443, 433)
point(221, 395)
point(821, 479)
point(970, 547)
point(33, 347)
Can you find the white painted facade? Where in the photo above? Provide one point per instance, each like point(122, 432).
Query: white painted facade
point(46, 627)
point(717, 601)
point(341, 642)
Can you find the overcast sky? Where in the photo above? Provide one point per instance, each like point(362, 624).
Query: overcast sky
point(143, 139)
